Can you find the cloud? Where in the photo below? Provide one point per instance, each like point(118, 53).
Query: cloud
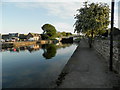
point(60, 9)
point(0, 3)
point(60, 26)
point(28, 5)
point(63, 10)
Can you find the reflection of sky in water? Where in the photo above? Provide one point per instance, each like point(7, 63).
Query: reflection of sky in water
point(25, 69)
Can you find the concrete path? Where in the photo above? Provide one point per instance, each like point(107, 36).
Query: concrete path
point(86, 69)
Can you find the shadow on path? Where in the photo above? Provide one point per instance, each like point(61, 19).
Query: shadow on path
point(86, 69)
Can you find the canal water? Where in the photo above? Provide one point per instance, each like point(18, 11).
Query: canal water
point(35, 66)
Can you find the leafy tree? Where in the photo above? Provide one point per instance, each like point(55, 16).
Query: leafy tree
point(49, 30)
point(92, 19)
point(68, 34)
point(44, 36)
point(63, 33)
point(58, 34)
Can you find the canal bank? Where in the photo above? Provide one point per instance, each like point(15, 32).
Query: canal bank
point(87, 69)
point(25, 43)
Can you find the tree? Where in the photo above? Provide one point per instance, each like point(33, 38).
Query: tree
point(44, 36)
point(68, 34)
point(63, 33)
point(49, 30)
point(92, 19)
point(58, 34)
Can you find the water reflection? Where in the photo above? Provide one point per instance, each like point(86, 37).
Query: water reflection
point(27, 67)
point(49, 49)
point(33, 48)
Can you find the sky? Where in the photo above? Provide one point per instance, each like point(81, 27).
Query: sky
point(24, 16)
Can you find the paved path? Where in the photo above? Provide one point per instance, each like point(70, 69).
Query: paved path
point(86, 69)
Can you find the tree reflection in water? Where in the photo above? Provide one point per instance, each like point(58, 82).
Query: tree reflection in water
point(49, 51)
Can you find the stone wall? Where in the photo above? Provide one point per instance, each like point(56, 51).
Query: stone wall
point(103, 47)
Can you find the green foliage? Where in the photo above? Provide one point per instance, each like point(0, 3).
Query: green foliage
point(92, 19)
point(49, 30)
point(44, 36)
point(58, 34)
point(66, 34)
point(63, 33)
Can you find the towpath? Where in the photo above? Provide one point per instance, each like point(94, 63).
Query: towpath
point(86, 69)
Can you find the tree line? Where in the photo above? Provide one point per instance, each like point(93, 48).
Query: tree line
point(50, 32)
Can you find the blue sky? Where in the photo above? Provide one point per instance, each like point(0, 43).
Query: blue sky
point(24, 16)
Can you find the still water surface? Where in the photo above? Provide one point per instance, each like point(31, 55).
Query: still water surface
point(36, 66)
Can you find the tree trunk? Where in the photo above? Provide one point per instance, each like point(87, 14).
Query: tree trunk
point(90, 40)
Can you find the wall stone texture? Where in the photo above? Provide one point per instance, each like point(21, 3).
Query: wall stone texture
point(103, 48)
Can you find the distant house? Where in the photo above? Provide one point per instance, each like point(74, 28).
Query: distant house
point(1, 40)
point(13, 36)
point(33, 37)
point(5, 37)
point(23, 37)
point(14, 39)
point(10, 37)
